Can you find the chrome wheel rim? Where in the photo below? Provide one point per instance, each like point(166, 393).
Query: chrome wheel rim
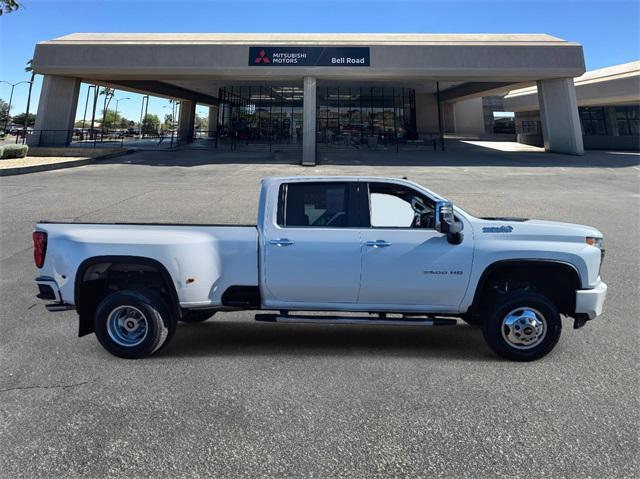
point(127, 326)
point(524, 328)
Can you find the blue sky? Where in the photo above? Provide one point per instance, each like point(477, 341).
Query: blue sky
point(608, 30)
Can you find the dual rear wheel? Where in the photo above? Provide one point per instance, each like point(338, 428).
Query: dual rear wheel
point(135, 323)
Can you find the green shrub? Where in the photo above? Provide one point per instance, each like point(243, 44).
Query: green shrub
point(14, 151)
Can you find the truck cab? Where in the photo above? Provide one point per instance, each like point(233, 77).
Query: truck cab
point(352, 244)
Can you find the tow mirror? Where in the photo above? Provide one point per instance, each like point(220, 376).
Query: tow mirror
point(446, 223)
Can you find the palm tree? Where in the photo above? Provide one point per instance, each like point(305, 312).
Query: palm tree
point(29, 69)
point(108, 95)
point(8, 6)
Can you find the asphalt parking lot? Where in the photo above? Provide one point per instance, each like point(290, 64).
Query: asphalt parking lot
point(235, 398)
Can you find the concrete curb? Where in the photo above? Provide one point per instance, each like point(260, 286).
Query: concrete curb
point(22, 170)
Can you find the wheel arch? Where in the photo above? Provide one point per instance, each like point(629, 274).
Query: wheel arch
point(535, 266)
point(86, 322)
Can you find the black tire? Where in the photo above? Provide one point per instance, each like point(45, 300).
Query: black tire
point(518, 305)
point(195, 316)
point(146, 308)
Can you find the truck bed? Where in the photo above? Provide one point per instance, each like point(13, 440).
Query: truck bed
point(202, 260)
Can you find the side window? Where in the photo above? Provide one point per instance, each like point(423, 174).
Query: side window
point(398, 206)
point(321, 204)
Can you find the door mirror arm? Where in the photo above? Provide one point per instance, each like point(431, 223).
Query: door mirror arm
point(446, 223)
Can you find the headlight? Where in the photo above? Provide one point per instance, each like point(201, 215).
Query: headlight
point(592, 241)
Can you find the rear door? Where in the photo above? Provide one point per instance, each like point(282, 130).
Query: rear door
point(406, 262)
point(311, 245)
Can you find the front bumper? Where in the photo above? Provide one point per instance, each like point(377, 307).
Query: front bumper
point(590, 302)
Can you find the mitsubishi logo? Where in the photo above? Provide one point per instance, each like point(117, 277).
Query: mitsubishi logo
point(262, 57)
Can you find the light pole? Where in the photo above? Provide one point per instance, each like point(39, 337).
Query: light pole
point(145, 101)
point(13, 85)
point(174, 111)
point(118, 100)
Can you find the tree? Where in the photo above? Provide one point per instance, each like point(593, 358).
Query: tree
point(111, 119)
point(115, 120)
point(202, 123)
point(4, 111)
point(20, 119)
point(8, 6)
point(108, 95)
point(150, 124)
point(168, 122)
point(124, 123)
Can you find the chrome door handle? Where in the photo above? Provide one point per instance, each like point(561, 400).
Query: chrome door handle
point(378, 244)
point(281, 242)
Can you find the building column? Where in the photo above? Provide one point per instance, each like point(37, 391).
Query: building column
point(186, 120)
point(213, 121)
point(309, 122)
point(56, 111)
point(559, 116)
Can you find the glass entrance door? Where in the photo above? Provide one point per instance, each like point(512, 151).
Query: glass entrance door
point(260, 114)
point(356, 116)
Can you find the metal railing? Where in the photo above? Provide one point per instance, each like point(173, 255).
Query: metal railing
point(415, 141)
point(78, 138)
point(235, 140)
point(225, 140)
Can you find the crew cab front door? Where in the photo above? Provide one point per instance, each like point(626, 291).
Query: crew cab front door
point(312, 246)
point(406, 263)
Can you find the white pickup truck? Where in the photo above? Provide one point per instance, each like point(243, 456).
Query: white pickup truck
point(386, 248)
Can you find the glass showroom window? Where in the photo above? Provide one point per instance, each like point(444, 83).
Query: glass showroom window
point(350, 116)
point(529, 126)
point(592, 119)
point(628, 119)
point(261, 113)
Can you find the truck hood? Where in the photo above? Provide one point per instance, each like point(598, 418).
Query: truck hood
point(522, 226)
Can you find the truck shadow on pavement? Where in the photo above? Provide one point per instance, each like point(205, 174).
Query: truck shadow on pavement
point(240, 338)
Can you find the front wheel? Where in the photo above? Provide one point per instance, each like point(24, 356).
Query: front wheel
point(522, 326)
point(133, 323)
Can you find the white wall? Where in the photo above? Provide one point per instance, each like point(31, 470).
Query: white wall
point(426, 113)
point(468, 116)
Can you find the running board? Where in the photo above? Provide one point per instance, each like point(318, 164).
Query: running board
point(285, 318)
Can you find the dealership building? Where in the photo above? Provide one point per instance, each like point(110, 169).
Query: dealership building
point(608, 106)
point(317, 89)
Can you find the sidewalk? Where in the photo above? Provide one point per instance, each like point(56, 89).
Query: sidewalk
point(33, 164)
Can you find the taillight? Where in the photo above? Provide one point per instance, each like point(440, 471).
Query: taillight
point(39, 247)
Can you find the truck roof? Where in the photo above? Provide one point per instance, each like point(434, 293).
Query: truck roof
point(284, 179)
point(330, 177)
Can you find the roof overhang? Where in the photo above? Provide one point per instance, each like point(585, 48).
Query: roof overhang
point(618, 84)
point(506, 59)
